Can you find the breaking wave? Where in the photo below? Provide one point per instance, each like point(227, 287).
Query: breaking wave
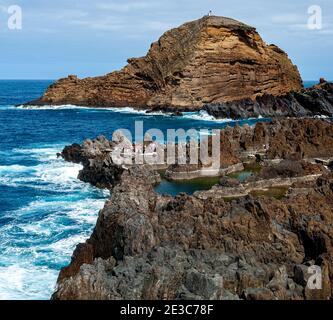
point(37, 237)
point(197, 115)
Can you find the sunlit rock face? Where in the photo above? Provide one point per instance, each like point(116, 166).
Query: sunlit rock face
point(210, 60)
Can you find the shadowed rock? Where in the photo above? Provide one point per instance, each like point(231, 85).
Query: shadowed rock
point(315, 101)
point(151, 246)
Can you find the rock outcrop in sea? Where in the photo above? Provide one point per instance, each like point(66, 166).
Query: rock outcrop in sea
point(206, 246)
point(314, 101)
point(279, 139)
point(210, 61)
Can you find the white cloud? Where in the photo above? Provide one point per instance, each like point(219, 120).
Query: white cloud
point(124, 7)
point(289, 18)
point(132, 28)
point(55, 15)
point(110, 23)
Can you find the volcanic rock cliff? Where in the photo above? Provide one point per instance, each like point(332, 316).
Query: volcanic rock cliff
point(208, 61)
point(149, 246)
point(208, 246)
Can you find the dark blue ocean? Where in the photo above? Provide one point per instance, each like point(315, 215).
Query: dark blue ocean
point(44, 210)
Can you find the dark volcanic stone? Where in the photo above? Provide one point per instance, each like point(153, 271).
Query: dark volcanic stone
point(315, 101)
point(151, 246)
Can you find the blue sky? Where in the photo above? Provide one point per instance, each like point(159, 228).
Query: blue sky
point(90, 38)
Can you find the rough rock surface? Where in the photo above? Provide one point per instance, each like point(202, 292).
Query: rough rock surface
point(279, 139)
point(207, 61)
point(149, 246)
point(289, 169)
point(99, 160)
point(294, 139)
point(315, 101)
point(98, 166)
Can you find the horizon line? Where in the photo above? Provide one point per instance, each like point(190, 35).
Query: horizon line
point(37, 79)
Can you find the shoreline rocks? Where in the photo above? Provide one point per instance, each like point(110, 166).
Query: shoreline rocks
point(294, 139)
point(245, 189)
point(191, 174)
point(151, 246)
point(311, 102)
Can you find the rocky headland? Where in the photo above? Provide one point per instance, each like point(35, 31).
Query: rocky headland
point(212, 245)
point(213, 63)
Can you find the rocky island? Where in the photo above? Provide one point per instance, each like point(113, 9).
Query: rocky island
point(210, 61)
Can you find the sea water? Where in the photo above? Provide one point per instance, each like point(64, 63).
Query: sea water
point(45, 211)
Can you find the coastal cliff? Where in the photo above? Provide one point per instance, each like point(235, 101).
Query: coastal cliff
point(150, 246)
point(210, 245)
point(212, 60)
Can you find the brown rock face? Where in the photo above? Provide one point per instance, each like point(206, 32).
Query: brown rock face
point(210, 60)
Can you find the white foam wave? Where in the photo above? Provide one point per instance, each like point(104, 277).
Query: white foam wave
point(321, 117)
point(40, 236)
point(18, 282)
point(59, 173)
point(200, 115)
point(204, 116)
point(197, 116)
point(42, 154)
point(53, 172)
point(51, 107)
point(7, 107)
point(13, 168)
point(66, 246)
point(146, 112)
point(126, 110)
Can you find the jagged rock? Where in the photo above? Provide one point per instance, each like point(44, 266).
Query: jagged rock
point(149, 246)
point(315, 101)
point(229, 182)
point(289, 139)
point(292, 140)
point(281, 139)
point(207, 61)
point(289, 169)
point(258, 294)
point(73, 154)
